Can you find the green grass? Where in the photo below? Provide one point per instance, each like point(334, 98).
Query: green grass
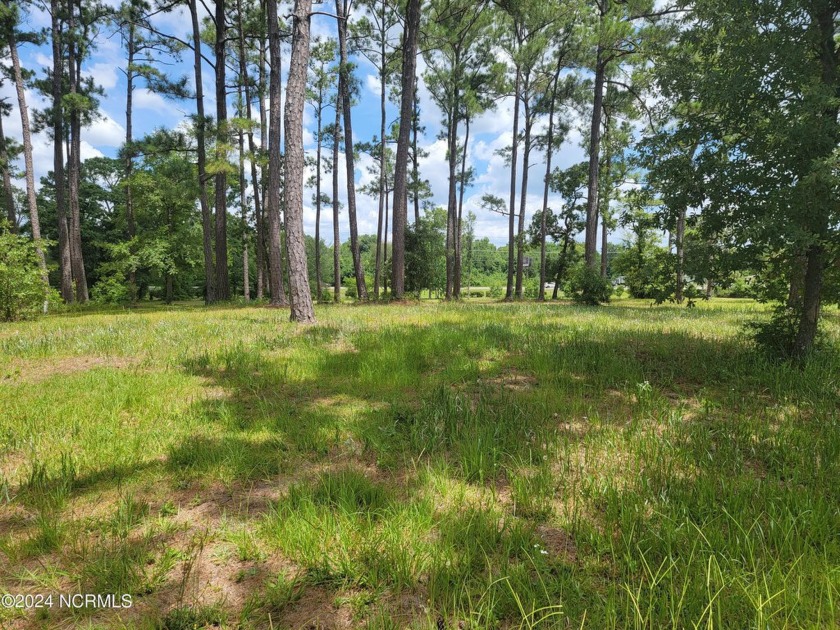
point(489, 465)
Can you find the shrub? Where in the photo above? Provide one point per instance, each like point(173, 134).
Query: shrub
point(588, 287)
point(22, 291)
point(111, 290)
point(776, 336)
point(350, 287)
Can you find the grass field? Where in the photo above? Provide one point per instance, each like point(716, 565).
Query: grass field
point(458, 466)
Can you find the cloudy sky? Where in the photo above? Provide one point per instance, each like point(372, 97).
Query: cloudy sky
point(489, 133)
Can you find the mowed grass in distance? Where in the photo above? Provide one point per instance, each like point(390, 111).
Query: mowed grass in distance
point(471, 465)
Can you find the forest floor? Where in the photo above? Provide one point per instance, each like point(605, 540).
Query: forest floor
point(453, 466)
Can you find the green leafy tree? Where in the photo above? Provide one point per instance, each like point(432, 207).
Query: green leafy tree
point(758, 86)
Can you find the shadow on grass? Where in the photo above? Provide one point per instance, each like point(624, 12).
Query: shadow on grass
point(479, 402)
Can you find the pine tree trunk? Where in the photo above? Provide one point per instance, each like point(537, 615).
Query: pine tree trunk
point(131, 230)
point(561, 266)
point(318, 197)
point(8, 192)
point(457, 289)
point(169, 279)
point(385, 250)
point(29, 172)
point(74, 162)
point(245, 95)
point(272, 196)
point(222, 276)
point(344, 98)
point(262, 274)
point(299, 293)
point(452, 205)
point(200, 135)
point(407, 117)
point(512, 217)
point(604, 200)
point(255, 184)
point(65, 264)
point(415, 163)
point(549, 153)
point(336, 236)
point(382, 88)
point(523, 195)
point(591, 238)
point(243, 205)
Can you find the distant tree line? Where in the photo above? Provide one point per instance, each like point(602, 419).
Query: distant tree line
point(710, 129)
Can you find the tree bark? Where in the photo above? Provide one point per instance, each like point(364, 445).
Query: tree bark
point(561, 266)
point(680, 256)
point(8, 192)
point(74, 162)
point(382, 88)
point(512, 217)
point(344, 98)
point(825, 20)
point(260, 205)
point(797, 281)
point(604, 199)
point(318, 198)
point(452, 205)
point(336, 236)
point(523, 194)
point(65, 265)
point(591, 238)
point(29, 172)
point(549, 153)
point(129, 151)
point(462, 187)
point(222, 276)
point(810, 316)
point(255, 184)
point(272, 196)
point(299, 293)
point(200, 134)
point(244, 95)
point(415, 165)
point(408, 123)
point(385, 249)
point(243, 205)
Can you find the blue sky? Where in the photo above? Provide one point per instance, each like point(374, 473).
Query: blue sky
point(489, 132)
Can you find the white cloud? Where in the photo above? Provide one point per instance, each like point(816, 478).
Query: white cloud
point(106, 132)
point(147, 100)
point(104, 74)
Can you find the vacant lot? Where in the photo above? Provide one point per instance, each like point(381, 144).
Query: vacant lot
point(465, 466)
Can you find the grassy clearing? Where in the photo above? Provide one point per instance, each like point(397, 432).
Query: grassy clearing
point(486, 465)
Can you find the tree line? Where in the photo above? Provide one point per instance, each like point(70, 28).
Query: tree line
point(709, 121)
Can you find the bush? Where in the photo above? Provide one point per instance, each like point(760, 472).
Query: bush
point(111, 290)
point(350, 287)
point(776, 336)
point(22, 291)
point(588, 287)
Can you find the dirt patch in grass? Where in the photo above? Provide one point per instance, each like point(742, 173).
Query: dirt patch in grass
point(316, 610)
point(558, 543)
point(512, 380)
point(38, 370)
